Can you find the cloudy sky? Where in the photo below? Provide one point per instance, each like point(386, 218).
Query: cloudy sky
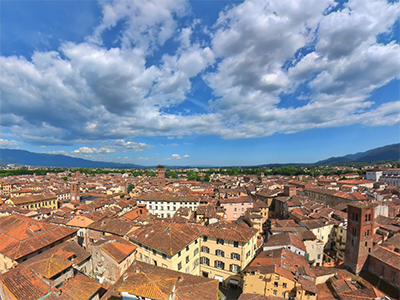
point(200, 82)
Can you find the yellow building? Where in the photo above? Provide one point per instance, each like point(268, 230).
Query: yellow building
point(226, 249)
point(34, 202)
point(277, 273)
point(218, 251)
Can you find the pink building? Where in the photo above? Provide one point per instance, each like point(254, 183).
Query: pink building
point(236, 207)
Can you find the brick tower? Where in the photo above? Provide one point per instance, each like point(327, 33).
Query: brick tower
point(161, 176)
point(75, 193)
point(360, 233)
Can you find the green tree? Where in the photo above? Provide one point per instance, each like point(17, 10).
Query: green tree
point(130, 188)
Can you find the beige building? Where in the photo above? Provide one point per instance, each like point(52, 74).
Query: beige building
point(34, 202)
point(218, 251)
point(277, 273)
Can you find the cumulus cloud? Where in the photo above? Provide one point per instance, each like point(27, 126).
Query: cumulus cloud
point(8, 143)
point(260, 51)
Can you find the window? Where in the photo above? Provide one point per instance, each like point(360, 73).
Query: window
point(205, 261)
point(367, 233)
point(187, 259)
point(205, 249)
point(220, 241)
point(196, 263)
point(234, 268)
point(236, 244)
point(247, 254)
point(219, 253)
point(219, 264)
point(146, 259)
point(179, 254)
point(187, 270)
point(312, 246)
point(283, 295)
point(195, 241)
point(235, 256)
point(284, 285)
point(275, 293)
point(187, 248)
point(196, 251)
point(140, 256)
point(319, 256)
point(164, 256)
point(154, 262)
point(276, 284)
point(179, 265)
point(205, 238)
point(154, 252)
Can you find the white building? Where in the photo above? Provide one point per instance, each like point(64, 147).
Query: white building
point(165, 206)
point(373, 175)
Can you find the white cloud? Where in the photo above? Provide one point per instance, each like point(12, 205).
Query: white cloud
point(87, 150)
point(8, 143)
point(186, 155)
point(86, 92)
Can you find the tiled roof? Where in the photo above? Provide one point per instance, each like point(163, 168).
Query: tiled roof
point(259, 297)
point(57, 259)
point(229, 231)
point(387, 256)
point(149, 281)
point(116, 247)
point(21, 236)
point(33, 198)
point(22, 283)
point(168, 238)
point(118, 226)
point(286, 238)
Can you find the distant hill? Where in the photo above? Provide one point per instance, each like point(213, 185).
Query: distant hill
point(23, 157)
point(390, 152)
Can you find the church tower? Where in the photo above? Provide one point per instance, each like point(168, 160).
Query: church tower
point(161, 176)
point(360, 233)
point(75, 193)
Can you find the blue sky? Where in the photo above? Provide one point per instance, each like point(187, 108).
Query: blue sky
point(200, 82)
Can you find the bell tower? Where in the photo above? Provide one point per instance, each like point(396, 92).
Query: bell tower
point(161, 176)
point(360, 234)
point(75, 193)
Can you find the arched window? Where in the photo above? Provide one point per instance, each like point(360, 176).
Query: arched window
point(205, 261)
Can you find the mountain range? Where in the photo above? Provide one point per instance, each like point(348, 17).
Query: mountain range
point(389, 152)
point(23, 157)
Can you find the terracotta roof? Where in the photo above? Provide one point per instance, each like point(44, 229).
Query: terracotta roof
point(56, 259)
point(33, 198)
point(229, 231)
point(259, 297)
point(116, 247)
point(118, 226)
point(284, 239)
point(22, 283)
point(168, 238)
point(387, 256)
point(21, 236)
point(154, 282)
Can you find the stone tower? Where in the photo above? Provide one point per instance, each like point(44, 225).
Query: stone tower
point(75, 193)
point(161, 176)
point(360, 233)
